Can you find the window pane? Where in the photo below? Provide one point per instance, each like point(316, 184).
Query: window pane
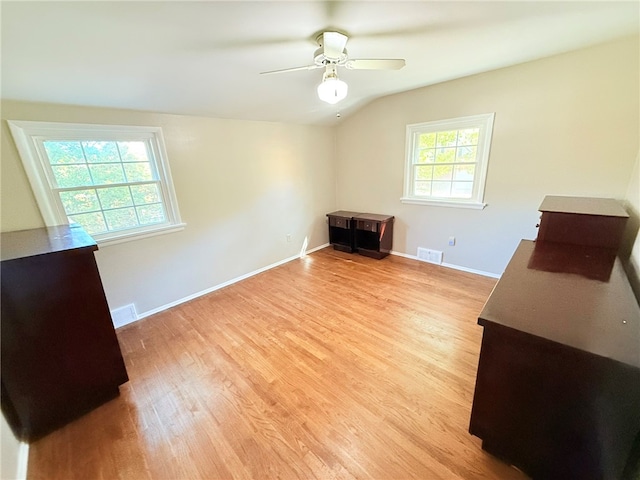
point(104, 174)
point(445, 155)
point(447, 139)
point(63, 152)
point(149, 214)
point(466, 154)
point(145, 194)
point(115, 197)
point(458, 158)
point(121, 218)
point(461, 189)
point(443, 172)
point(464, 172)
point(441, 189)
point(72, 175)
point(427, 140)
point(424, 173)
point(101, 152)
point(138, 172)
point(133, 151)
point(426, 156)
point(422, 188)
point(468, 136)
point(79, 201)
point(92, 222)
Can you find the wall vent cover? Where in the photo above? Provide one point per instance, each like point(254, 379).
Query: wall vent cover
point(431, 256)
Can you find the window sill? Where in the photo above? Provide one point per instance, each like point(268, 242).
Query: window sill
point(443, 203)
point(127, 237)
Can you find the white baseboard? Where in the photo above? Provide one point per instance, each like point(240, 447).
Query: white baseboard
point(23, 461)
point(450, 265)
point(405, 255)
point(472, 270)
point(216, 287)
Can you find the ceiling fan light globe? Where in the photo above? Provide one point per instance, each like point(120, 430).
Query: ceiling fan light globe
point(332, 90)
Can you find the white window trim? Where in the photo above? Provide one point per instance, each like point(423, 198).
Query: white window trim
point(485, 122)
point(27, 135)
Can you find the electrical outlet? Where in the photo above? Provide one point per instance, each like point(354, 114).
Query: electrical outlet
point(288, 237)
point(452, 241)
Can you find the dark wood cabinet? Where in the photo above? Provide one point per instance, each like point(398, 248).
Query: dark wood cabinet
point(373, 234)
point(368, 234)
point(60, 355)
point(558, 385)
point(342, 230)
point(593, 222)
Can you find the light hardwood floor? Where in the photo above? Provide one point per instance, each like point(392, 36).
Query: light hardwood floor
point(331, 366)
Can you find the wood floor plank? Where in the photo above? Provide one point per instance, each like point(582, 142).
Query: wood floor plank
point(334, 366)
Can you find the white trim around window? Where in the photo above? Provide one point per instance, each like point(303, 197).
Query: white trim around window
point(446, 162)
point(117, 175)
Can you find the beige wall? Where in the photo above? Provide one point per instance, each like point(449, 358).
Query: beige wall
point(632, 246)
point(566, 125)
point(633, 203)
point(241, 187)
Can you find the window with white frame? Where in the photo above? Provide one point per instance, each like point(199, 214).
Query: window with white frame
point(447, 161)
point(113, 180)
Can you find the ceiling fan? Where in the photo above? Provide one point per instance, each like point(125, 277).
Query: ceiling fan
point(332, 54)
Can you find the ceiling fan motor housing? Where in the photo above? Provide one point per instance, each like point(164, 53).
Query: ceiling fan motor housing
point(319, 58)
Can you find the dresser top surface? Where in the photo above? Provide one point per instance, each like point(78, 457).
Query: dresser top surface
point(343, 213)
point(578, 298)
point(40, 241)
point(607, 207)
point(374, 217)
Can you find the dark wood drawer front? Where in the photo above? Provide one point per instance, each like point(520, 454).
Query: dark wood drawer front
point(367, 225)
point(339, 222)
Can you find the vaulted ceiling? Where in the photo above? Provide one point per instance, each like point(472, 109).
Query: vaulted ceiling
point(205, 57)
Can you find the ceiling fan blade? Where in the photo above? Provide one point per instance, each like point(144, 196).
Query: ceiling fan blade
point(295, 69)
point(333, 44)
point(375, 64)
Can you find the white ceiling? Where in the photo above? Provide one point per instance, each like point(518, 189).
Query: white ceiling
point(204, 58)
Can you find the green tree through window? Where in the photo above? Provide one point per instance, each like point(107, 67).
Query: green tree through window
point(120, 173)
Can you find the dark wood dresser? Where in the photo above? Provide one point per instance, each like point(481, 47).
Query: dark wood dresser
point(60, 355)
point(558, 385)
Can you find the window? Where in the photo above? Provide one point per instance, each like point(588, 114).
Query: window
point(112, 180)
point(447, 161)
